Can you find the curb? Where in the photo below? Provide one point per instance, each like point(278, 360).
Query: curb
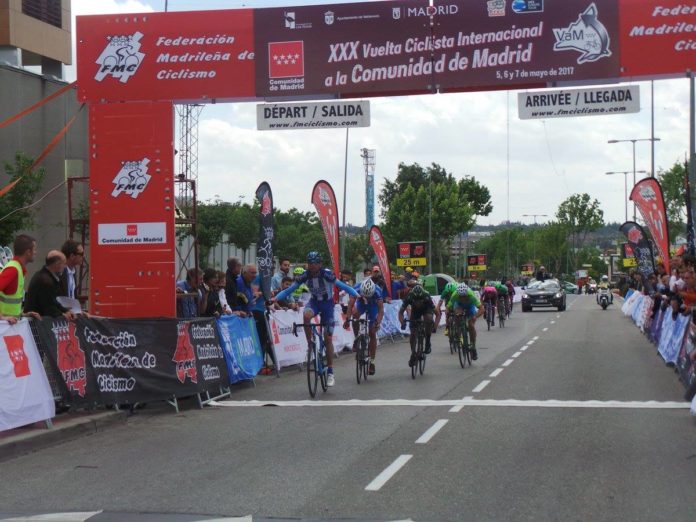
point(69, 429)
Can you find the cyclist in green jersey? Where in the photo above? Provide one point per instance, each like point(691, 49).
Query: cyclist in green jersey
point(464, 302)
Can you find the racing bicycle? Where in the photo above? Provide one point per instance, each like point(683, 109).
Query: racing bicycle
point(317, 371)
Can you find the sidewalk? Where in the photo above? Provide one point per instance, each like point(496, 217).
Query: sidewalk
point(66, 426)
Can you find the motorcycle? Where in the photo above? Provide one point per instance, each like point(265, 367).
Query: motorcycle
point(603, 298)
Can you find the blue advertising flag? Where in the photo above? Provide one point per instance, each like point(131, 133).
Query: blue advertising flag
point(240, 343)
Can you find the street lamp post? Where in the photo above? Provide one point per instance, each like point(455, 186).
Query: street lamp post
point(633, 141)
point(625, 173)
point(534, 237)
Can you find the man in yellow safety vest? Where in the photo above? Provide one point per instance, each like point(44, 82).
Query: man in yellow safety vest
point(12, 279)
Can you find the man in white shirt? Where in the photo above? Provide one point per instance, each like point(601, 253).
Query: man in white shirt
point(284, 271)
point(74, 255)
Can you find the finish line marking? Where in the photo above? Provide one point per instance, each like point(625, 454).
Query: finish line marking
point(512, 403)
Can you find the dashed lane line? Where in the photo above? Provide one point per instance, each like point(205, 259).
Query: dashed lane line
point(496, 372)
point(545, 330)
point(458, 408)
point(508, 362)
point(391, 470)
point(516, 355)
point(481, 386)
point(430, 432)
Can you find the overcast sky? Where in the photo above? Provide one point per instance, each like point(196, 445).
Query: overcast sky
point(533, 164)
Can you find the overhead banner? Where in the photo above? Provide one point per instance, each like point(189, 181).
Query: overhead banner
point(240, 340)
point(264, 248)
point(324, 200)
point(642, 250)
point(578, 102)
point(314, 115)
point(105, 361)
point(647, 195)
point(195, 55)
point(380, 248)
point(25, 394)
point(657, 38)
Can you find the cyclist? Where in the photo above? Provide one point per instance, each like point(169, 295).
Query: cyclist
point(320, 282)
point(372, 302)
point(502, 293)
point(489, 295)
point(422, 307)
point(511, 292)
point(464, 302)
point(302, 289)
point(447, 292)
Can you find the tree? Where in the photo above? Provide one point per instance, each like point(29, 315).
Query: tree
point(674, 193)
point(21, 195)
point(455, 204)
point(214, 219)
point(359, 252)
point(580, 216)
point(297, 233)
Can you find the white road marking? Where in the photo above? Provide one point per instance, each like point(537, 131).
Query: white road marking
point(535, 338)
point(430, 433)
point(524, 348)
point(458, 408)
point(381, 479)
point(529, 343)
point(516, 355)
point(497, 372)
point(553, 322)
point(481, 386)
point(58, 517)
point(508, 362)
point(558, 316)
point(545, 330)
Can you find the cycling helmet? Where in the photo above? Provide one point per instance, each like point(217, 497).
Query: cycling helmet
point(298, 270)
point(314, 257)
point(462, 289)
point(367, 288)
point(418, 291)
point(450, 287)
point(605, 278)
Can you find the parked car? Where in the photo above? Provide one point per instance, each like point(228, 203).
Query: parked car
point(547, 293)
point(570, 288)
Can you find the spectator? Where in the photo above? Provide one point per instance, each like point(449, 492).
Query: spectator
point(234, 268)
point(284, 271)
point(367, 272)
point(408, 275)
point(290, 302)
point(258, 310)
point(209, 301)
point(378, 279)
point(189, 294)
point(398, 283)
point(245, 291)
point(12, 278)
point(74, 253)
point(221, 283)
point(343, 297)
point(44, 288)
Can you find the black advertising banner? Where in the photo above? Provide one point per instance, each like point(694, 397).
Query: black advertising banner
point(105, 361)
point(642, 249)
point(686, 367)
point(384, 48)
point(500, 43)
point(343, 49)
point(264, 249)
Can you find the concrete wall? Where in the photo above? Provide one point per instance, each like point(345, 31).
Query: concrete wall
point(20, 89)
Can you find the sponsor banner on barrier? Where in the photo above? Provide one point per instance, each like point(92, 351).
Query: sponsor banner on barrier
point(166, 56)
point(105, 361)
point(578, 102)
point(657, 38)
point(240, 341)
point(313, 115)
point(686, 366)
point(672, 336)
point(25, 394)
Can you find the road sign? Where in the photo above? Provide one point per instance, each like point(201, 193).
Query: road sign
point(476, 263)
point(412, 261)
point(313, 115)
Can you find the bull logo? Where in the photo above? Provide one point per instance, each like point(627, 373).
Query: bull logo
point(587, 35)
point(184, 355)
point(121, 57)
point(71, 358)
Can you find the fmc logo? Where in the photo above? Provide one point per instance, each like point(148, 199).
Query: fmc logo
point(587, 35)
point(121, 57)
point(132, 178)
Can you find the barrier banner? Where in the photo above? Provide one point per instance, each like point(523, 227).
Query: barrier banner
point(647, 195)
point(380, 248)
point(240, 341)
point(686, 367)
point(264, 248)
point(25, 394)
point(324, 200)
point(672, 336)
point(288, 348)
point(107, 361)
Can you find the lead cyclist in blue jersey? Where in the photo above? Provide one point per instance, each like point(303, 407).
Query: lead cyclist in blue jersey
point(320, 282)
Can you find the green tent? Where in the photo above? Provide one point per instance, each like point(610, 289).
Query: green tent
point(435, 283)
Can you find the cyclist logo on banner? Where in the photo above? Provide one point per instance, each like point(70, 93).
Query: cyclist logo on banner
point(586, 35)
point(120, 58)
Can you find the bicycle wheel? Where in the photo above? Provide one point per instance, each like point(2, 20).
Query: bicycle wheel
point(358, 363)
point(450, 325)
point(312, 375)
point(501, 316)
point(455, 336)
point(365, 357)
point(489, 315)
point(414, 351)
point(421, 352)
point(463, 347)
point(322, 369)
